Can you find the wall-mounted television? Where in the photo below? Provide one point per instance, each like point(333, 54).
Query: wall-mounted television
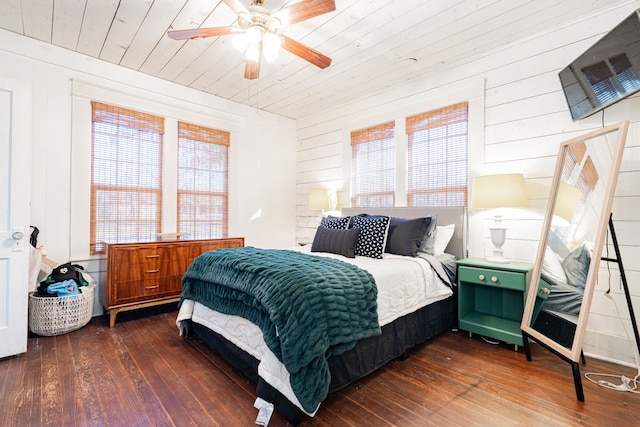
point(607, 72)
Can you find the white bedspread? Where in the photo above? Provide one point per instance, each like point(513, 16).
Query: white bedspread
point(404, 284)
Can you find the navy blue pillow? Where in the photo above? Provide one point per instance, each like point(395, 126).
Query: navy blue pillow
point(373, 235)
point(406, 235)
point(341, 242)
point(335, 222)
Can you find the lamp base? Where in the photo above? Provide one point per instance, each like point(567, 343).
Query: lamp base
point(498, 237)
point(498, 259)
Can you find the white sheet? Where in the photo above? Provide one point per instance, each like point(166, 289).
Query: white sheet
point(404, 284)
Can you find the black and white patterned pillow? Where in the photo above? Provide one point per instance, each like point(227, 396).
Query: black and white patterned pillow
point(335, 222)
point(373, 235)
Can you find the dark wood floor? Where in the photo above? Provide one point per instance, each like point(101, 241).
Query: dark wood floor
point(141, 373)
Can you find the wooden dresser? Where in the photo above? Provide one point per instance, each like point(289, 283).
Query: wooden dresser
point(147, 274)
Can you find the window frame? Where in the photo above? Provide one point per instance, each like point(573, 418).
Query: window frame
point(375, 139)
point(204, 135)
point(137, 122)
point(448, 118)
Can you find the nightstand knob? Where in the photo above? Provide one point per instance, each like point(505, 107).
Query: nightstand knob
point(494, 279)
point(481, 277)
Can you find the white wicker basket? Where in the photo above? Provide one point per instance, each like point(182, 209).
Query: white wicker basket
point(50, 316)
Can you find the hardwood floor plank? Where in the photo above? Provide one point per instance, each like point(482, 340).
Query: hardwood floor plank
point(154, 372)
point(142, 373)
point(57, 369)
point(196, 398)
point(20, 404)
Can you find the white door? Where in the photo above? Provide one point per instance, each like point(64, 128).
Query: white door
point(15, 186)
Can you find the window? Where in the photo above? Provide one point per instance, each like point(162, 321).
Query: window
point(437, 147)
point(611, 78)
point(202, 181)
point(373, 170)
point(578, 171)
point(126, 176)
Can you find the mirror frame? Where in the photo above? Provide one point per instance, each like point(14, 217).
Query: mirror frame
point(575, 351)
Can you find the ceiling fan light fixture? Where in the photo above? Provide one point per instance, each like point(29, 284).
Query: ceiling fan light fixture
point(271, 44)
point(253, 35)
point(240, 42)
point(253, 52)
point(274, 24)
point(270, 55)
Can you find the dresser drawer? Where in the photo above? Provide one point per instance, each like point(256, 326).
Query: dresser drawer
point(490, 277)
point(123, 258)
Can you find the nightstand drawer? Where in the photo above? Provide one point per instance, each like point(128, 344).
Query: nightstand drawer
point(490, 277)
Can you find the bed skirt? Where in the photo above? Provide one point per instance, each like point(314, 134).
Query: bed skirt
point(368, 355)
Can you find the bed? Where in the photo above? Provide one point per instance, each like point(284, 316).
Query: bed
point(402, 300)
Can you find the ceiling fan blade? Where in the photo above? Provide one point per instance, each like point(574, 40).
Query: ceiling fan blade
point(305, 52)
point(304, 10)
point(196, 33)
point(235, 5)
point(252, 69)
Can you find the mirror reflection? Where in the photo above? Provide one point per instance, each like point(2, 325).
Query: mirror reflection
point(580, 194)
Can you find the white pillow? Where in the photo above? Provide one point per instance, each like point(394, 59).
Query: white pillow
point(552, 266)
point(444, 233)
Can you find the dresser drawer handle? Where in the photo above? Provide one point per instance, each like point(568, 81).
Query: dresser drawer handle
point(152, 271)
point(494, 279)
point(481, 277)
point(152, 256)
point(147, 288)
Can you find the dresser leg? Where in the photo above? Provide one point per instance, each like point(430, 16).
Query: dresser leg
point(112, 317)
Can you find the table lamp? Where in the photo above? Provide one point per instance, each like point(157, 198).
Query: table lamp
point(497, 192)
point(322, 199)
point(566, 203)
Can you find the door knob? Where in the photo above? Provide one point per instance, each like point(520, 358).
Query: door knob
point(17, 235)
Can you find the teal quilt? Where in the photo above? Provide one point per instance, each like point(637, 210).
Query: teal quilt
point(308, 307)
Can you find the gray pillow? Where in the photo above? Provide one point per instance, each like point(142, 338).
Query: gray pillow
point(576, 266)
point(341, 242)
point(406, 235)
point(429, 243)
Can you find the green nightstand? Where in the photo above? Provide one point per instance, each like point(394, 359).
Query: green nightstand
point(491, 298)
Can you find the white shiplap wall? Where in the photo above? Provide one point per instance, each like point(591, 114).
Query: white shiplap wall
point(261, 163)
point(524, 118)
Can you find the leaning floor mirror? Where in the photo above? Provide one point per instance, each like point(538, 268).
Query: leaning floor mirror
point(573, 234)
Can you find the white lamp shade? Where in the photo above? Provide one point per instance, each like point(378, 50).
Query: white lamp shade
point(499, 191)
point(567, 201)
point(322, 199)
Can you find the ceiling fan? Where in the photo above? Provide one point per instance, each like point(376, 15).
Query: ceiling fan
point(259, 32)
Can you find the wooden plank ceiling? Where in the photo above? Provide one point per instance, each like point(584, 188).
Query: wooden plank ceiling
point(374, 44)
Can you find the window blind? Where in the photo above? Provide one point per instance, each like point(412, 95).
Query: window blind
point(601, 80)
point(202, 181)
point(437, 157)
point(373, 166)
point(625, 72)
point(577, 170)
point(126, 176)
